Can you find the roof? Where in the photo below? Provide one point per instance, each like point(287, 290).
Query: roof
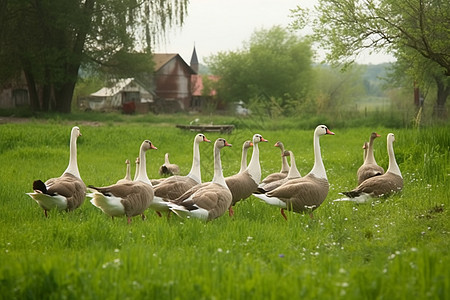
point(111, 91)
point(162, 59)
point(197, 84)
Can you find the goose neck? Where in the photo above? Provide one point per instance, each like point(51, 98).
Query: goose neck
point(194, 173)
point(318, 169)
point(393, 166)
point(143, 167)
point(218, 173)
point(72, 168)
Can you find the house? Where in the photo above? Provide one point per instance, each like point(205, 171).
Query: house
point(126, 94)
point(14, 93)
point(172, 81)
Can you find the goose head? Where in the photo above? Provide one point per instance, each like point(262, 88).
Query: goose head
point(390, 138)
point(76, 131)
point(286, 153)
point(374, 135)
point(221, 142)
point(146, 145)
point(258, 138)
point(322, 130)
point(247, 144)
point(201, 138)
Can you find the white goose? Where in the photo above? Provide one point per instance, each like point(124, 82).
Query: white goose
point(242, 185)
point(127, 173)
point(168, 168)
point(130, 198)
point(370, 167)
point(174, 186)
point(292, 174)
point(66, 192)
point(209, 200)
point(303, 194)
point(377, 186)
point(136, 173)
point(284, 168)
point(247, 144)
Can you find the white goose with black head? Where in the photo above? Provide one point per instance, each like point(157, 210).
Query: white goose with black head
point(66, 192)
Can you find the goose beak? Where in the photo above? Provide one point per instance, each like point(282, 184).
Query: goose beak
point(206, 140)
point(263, 140)
point(153, 147)
point(330, 132)
point(227, 144)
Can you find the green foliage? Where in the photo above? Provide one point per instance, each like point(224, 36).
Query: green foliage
point(416, 32)
point(273, 63)
point(49, 41)
point(394, 248)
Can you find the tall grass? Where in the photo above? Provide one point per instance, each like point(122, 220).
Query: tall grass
point(394, 248)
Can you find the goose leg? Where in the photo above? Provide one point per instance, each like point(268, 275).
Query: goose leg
point(143, 217)
point(283, 214)
point(158, 213)
point(45, 213)
point(129, 220)
point(230, 211)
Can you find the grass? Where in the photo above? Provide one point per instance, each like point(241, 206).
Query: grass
point(394, 248)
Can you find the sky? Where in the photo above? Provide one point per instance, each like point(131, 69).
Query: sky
point(224, 25)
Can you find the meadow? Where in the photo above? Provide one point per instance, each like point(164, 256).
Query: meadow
point(392, 248)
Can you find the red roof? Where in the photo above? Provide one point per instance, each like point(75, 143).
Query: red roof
point(197, 84)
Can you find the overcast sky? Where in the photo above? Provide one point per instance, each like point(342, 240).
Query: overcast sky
point(223, 25)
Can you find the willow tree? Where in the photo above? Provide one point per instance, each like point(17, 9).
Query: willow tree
point(347, 28)
point(49, 40)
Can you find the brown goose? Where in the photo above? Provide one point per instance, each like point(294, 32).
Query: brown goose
point(130, 198)
point(293, 173)
point(365, 147)
point(369, 168)
point(66, 192)
point(247, 144)
point(377, 186)
point(206, 201)
point(242, 185)
point(168, 169)
point(303, 194)
point(284, 168)
point(174, 186)
point(127, 174)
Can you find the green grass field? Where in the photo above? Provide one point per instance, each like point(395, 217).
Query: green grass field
point(394, 248)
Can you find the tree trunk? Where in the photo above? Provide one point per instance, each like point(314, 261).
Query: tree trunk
point(443, 90)
point(64, 97)
point(32, 92)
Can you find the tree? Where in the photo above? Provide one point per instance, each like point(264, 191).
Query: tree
point(50, 40)
point(346, 28)
point(273, 63)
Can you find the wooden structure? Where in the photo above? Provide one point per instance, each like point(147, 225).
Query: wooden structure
point(207, 128)
point(172, 81)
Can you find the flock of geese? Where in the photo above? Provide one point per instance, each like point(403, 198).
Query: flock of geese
point(187, 196)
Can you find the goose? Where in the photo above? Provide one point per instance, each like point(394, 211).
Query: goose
point(247, 144)
point(130, 198)
point(242, 185)
point(365, 147)
point(136, 173)
point(377, 186)
point(369, 168)
point(174, 186)
point(284, 168)
point(127, 174)
point(206, 201)
point(303, 194)
point(292, 174)
point(66, 192)
point(167, 168)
